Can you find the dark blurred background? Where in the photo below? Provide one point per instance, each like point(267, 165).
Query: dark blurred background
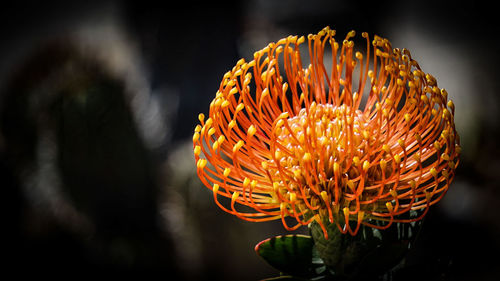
point(98, 102)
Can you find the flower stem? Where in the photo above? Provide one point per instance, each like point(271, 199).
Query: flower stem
point(370, 253)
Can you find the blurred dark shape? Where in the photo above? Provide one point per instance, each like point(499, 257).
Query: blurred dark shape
point(189, 46)
point(83, 186)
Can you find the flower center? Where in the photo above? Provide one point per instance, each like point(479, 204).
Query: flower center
point(316, 140)
point(323, 155)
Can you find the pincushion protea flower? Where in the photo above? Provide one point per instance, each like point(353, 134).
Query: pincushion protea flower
point(350, 139)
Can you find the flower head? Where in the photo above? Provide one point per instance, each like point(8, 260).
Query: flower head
point(349, 139)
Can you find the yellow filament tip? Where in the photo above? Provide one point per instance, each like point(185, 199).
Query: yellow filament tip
point(246, 182)
point(235, 196)
point(307, 157)
point(433, 172)
point(196, 136)
point(324, 195)
point(211, 131)
point(355, 160)
point(346, 213)
point(389, 206)
point(383, 164)
point(401, 143)
point(264, 165)
point(397, 159)
point(231, 124)
point(201, 117)
point(366, 165)
point(201, 163)
point(336, 168)
point(386, 148)
point(239, 107)
point(251, 130)
point(197, 150)
point(238, 145)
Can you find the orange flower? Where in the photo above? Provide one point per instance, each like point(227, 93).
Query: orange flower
point(350, 139)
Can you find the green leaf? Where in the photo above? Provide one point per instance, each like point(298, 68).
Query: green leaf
point(292, 254)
